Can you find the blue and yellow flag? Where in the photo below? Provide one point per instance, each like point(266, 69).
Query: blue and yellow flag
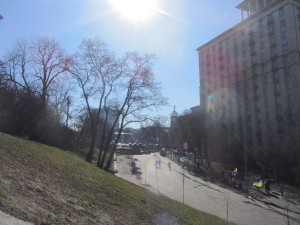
point(234, 173)
point(258, 184)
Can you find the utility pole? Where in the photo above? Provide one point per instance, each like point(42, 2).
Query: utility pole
point(156, 181)
point(145, 171)
point(183, 184)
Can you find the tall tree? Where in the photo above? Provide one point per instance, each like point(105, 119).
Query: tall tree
point(96, 70)
point(51, 64)
point(120, 90)
point(138, 94)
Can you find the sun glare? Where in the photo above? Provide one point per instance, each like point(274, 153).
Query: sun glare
point(136, 10)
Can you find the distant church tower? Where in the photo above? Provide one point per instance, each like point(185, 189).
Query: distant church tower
point(173, 117)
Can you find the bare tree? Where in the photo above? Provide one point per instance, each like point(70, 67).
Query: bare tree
point(96, 70)
point(38, 67)
point(17, 62)
point(190, 128)
point(51, 65)
point(139, 93)
point(119, 91)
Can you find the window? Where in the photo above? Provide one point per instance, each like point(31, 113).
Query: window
point(244, 53)
point(281, 11)
point(285, 47)
point(274, 52)
point(263, 56)
point(291, 98)
point(275, 64)
point(271, 29)
point(267, 102)
point(289, 83)
point(265, 80)
point(283, 35)
point(261, 34)
point(234, 42)
point(265, 68)
point(260, 23)
point(273, 40)
point(270, 18)
point(262, 45)
point(287, 71)
point(243, 43)
point(282, 23)
point(257, 115)
point(277, 88)
point(278, 100)
point(286, 59)
point(276, 75)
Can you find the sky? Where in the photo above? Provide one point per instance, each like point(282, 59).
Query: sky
point(173, 32)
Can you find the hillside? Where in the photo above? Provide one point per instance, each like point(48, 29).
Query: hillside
point(39, 183)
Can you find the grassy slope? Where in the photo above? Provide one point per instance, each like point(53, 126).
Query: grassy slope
point(39, 182)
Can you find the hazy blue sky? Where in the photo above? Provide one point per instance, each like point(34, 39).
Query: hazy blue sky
point(173, 33)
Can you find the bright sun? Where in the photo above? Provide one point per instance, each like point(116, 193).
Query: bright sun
point(136, 10)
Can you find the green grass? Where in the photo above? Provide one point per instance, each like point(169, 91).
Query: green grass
point(45, 184)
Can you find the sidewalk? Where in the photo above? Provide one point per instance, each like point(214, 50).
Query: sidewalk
point(208, 197)
point(6, 219)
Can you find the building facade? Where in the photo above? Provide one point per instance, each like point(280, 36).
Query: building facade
point(249, 75)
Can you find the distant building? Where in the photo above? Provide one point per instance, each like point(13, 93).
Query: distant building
point(249, 75)
point(196, 109)
point(111, 118)
point(173, 117)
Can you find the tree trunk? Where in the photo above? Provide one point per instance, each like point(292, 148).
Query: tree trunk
point(89, 156)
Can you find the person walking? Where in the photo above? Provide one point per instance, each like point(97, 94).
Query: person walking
point(159, 163)
point(267, 186)
point(169, 164)
point(281, 188)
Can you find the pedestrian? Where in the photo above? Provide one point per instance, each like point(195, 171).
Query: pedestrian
point(159, 162)
point(281, 188)
point(169, 164)
point(156, 163)
point(267, 186)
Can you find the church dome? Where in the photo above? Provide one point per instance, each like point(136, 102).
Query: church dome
point(174, 113)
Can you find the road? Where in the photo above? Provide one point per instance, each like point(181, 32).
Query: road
point(206, 196)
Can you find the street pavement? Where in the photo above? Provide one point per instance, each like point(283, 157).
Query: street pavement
point(6, 219)
point(206, 196)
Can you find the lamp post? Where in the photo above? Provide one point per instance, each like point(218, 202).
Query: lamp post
point(185, 145)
